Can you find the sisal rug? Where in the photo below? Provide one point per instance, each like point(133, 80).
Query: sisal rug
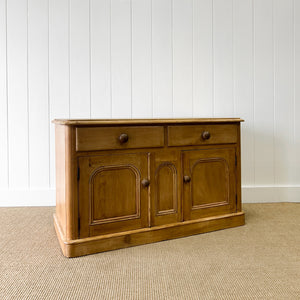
point(260, 260)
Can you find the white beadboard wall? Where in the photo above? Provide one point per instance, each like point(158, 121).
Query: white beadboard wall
point(149, 59)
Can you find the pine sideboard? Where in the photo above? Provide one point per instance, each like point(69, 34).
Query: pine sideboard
point(121, 183)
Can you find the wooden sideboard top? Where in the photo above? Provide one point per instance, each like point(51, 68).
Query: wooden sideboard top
point(89, 122)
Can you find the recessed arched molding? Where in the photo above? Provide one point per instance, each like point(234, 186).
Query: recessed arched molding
point(166, 189)
point(204, 173)
point(111, 177)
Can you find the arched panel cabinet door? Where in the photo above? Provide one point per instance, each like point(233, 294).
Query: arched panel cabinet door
point(209, 182)
point(113, 193)
point(166, 188)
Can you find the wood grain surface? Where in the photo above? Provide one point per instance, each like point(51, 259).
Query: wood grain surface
point(131, 182)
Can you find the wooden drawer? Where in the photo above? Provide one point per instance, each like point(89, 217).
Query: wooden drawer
point(202, 134)
point(103, 138)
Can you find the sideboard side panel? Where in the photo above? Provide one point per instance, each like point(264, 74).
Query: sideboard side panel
point(66, 182)
point(60, 154)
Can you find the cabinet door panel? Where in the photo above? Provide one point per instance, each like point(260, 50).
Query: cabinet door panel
point(211, 185)
point(113, 190)
point(166, 193)
point(165, 188)
point(111, 196)
point(214, 172)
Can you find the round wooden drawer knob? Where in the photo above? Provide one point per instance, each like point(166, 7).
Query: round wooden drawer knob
point(205, 135)
point(145, 182)
point(186, 179)
point(123, 138)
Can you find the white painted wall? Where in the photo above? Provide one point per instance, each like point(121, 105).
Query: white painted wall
point(149, 59)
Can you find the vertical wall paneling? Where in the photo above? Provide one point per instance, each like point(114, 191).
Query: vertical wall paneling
point(263, 92)
point(79, 59)
point(202, 58)
point(243, 81)
point(162, 58)
point(182, 58)
point(296, 131)
point(58, 69)
point(121, 59)
point(223, 58)
point(284, 91)
point(17, 93)
point(3, 99)
point(38, 93)
point(100, 59)
point(141, 59)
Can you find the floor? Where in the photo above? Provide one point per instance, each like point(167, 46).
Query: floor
point(260, 260)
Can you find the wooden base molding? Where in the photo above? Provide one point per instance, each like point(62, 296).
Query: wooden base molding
point(91, 245)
